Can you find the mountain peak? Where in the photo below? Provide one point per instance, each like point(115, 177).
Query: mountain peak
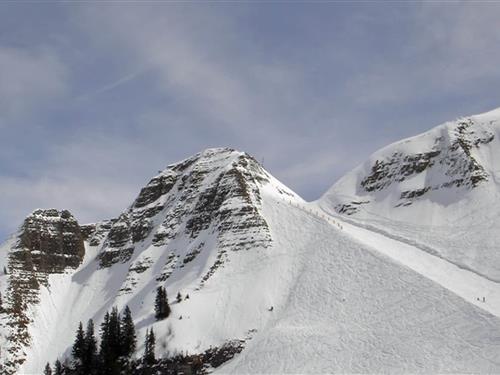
point(446, 178)
point(206, 192)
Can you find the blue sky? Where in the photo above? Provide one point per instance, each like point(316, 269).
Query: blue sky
point(96, 97)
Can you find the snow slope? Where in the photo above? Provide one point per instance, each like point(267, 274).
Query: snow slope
point(345, 299)
point(438, 191)
point(352, 309)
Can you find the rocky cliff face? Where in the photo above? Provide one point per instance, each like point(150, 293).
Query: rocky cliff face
point(214, 194)
point(447, 157)
point(452, 156)
point(48, 242)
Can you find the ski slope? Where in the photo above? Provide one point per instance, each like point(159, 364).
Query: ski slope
point(471, 286)
point(353, 309)
point(465, 283)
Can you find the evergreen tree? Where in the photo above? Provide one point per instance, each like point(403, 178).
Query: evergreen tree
point(128, 338)
point(149, 348)
point(111, 349)
point(162, 308)
point(104, 356)
point(79, 349)
point(179, 297)
point(58, 368)
point(114, 334)
point(47, 370)
point(90, 350)
point(158, 302)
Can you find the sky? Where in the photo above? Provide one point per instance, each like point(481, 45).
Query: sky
point(96, 97)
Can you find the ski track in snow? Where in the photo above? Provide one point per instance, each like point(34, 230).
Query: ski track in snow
point(466, 283)
point(353, 310)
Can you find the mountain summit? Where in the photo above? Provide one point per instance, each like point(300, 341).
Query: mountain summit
point(438, 190)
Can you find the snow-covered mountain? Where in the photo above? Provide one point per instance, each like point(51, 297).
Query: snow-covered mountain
point(439, 191)
point(188, 224)
point(300, 290)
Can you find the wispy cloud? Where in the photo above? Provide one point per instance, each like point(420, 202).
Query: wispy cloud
point(111, 86)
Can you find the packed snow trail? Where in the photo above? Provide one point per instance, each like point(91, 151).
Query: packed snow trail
point(351, 310)
point(469, 285)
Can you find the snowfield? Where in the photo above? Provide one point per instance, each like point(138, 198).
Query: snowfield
point(344, 300)
point(378, 288)
point(352, 309)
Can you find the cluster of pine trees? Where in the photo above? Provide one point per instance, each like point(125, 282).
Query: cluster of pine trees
point(113, 356)
point(117, 344)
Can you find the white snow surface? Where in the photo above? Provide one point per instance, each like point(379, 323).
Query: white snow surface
point(345, 298)
point(354, 308)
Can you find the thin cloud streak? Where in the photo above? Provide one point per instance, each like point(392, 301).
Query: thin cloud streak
point(111, 86)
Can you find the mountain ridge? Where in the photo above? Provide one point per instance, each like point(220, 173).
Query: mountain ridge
point(264, 268)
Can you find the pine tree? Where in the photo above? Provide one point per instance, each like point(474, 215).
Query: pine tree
point(162, 308)
point(179, 297)
point(104, 355)
point(111, 347)
point(114, 334)
point(158, 303)
point(90, 350)
point(79, 349)
point(128, 338)
point(149, 348)
point(58, 368)
point(47, 370)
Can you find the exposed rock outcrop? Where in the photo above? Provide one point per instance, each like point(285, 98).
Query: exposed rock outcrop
point(216, 191)
point(451, 158)
point(49, 241)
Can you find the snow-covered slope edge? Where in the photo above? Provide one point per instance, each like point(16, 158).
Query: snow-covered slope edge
point(438, 191)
